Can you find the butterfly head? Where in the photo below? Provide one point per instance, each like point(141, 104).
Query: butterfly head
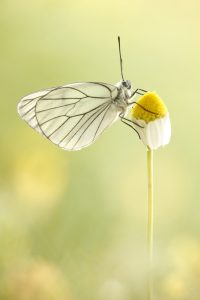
point(125, 88)
point(126, 84)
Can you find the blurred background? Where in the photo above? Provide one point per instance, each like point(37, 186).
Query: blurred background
point(73, 224)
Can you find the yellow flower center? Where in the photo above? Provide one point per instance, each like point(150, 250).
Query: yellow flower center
point(149, 107)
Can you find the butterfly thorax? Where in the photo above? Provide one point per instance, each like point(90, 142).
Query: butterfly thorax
point(125, 89)
point(124, 94)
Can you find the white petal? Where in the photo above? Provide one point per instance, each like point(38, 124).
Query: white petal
point(156, 133)
point(167, 129)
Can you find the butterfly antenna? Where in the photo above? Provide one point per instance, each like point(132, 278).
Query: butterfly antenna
point(120, 55)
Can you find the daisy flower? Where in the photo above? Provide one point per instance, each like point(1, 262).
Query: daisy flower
point(152, 116)
point(152, 123)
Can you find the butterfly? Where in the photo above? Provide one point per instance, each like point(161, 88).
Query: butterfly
point(74, 115)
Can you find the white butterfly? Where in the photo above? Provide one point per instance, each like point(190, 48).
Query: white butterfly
point(73, 116)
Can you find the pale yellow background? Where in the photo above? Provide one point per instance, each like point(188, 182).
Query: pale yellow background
point(73, 225)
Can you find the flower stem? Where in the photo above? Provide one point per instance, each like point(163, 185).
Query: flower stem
point(150, 223)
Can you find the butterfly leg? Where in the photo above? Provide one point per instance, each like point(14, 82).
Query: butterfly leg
point(131, 126)
point(129, 121)
point(139, 92)
point(135, 102)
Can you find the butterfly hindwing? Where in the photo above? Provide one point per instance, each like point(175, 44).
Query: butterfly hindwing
point(71, 116)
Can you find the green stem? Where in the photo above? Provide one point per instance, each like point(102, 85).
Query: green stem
point(150, 223)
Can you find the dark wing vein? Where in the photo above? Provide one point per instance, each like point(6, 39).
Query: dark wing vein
point(58, 128)
point(73, 88)
point(96, 112)
point(41, 124)
point(100, 123)
point(64, 98)
point(106, 109)
point(27, 102)
point(47, 93)
point(92, 109)
point(64, 105)
point(28, 111)
point(100, 83)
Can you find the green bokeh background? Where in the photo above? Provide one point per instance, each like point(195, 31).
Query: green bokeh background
point(73, 224)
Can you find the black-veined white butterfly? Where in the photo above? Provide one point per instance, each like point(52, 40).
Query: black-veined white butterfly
point(74, 115)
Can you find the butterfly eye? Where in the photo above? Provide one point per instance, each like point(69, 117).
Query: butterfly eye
point(126, 84)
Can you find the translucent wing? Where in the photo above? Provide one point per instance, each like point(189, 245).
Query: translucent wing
point(71, 116)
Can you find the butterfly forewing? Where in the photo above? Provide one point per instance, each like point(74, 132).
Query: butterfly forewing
point(71, 116)
point(26, 108)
